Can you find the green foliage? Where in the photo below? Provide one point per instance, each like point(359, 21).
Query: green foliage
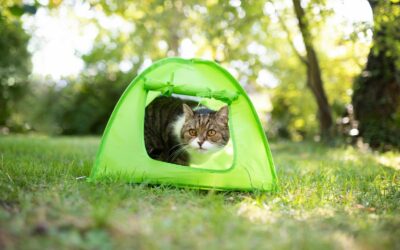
point(246, 38)
point(15, 67)
point(387, 30)
point(89, 103)
point(83, 106)
point(340, 58)
point(235, 30)
point(293, 114)
point(333, 198)
point(148, 35)
point(376, 96)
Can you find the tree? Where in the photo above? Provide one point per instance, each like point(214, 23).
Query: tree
point(15, 66)
point(376, 97)
point(314, 79)
point(241, 35)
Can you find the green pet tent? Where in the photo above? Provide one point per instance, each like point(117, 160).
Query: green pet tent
point(122, 152)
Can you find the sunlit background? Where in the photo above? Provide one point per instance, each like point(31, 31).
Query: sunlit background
point(83, 54)
point(60, 36)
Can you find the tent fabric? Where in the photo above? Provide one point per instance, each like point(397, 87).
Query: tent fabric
point(122, 154)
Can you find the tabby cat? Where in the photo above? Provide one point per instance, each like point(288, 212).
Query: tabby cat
point(176, 130)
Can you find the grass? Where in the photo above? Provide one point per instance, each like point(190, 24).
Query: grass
point(329, 198)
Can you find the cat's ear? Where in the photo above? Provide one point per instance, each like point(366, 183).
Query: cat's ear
point(222, 114)
point(187, 111)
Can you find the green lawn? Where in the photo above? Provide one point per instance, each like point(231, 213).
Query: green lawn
point(329, 198)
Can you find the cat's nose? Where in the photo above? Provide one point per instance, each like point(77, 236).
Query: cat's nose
point(200, 143)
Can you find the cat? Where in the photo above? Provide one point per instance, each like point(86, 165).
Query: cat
point(176, 130)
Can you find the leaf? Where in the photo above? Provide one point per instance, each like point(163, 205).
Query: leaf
point(16, 10)
point(31, 9)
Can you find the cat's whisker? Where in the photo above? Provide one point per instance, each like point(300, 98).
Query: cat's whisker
point(173, 156)
point(177, 146)
point(181, 148)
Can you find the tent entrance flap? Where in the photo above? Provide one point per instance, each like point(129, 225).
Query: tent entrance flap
point(167, 88)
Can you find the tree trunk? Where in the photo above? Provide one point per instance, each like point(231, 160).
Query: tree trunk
point(314, 79)
point(376, 97)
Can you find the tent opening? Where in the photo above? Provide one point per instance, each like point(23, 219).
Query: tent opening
point(221, 159)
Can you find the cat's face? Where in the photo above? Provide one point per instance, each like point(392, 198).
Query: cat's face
point(205, 130)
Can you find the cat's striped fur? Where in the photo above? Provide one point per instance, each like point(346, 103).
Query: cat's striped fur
point(173, 125)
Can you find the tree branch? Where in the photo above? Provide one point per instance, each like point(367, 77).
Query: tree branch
point(289, 36)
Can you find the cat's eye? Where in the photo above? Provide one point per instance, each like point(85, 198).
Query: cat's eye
point(211, 132)
point(192, 132)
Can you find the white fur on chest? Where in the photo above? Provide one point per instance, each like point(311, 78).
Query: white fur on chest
point(177, 126)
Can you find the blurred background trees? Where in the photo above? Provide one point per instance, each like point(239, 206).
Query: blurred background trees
point(297, 60)
point(376, 96)
point(15, 64)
